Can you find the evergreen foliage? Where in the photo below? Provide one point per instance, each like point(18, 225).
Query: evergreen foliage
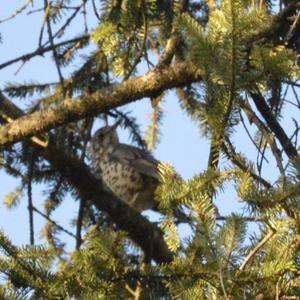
point(245, 50)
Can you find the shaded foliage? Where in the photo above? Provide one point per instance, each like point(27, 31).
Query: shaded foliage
point(248, 54)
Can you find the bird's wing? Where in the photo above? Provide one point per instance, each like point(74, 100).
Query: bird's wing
point(140, 160)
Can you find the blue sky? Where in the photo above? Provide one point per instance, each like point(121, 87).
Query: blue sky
point(181, 143)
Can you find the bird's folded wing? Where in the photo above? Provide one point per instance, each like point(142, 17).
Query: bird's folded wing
point(140, 160)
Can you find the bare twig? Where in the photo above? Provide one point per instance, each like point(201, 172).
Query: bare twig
point(79, 223)
point(252, 253)
point(64, 26)
point(296, 96)
point(230, 152)
point(249, 135)
point(247, 219)
point(41, 51)
point(265, 131)
point(135, 293)
point(274, 125)
point(30, 202)
point(53, 222)
point(259, 163)
point(17, 12)
point(95, 10)
point(84, 16)
point(140, 54)
point(51, 40)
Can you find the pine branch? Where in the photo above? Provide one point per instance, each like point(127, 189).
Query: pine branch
point(143, 46)
point(274, 125)
point(280, 27)
point(40, 51)
point(81, 210)
point(265, 131)
point(154, 82)
point(67, 22)
point(30, 202)
point(230, 152)
point(18, 11)
point(47, 8)
point(253, 252)
point(53, 222)
point(145, 234)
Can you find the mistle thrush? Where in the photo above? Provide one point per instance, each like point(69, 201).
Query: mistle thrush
point(130, 173)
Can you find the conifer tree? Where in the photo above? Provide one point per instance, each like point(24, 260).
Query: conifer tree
point(234, 65)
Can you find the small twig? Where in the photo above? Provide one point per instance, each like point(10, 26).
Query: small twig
point(247, 219)
point(17, 12)
point(20, 67)
point(53, 5)
point(46, 12)
point(290, 102)
point(30, 202)
point(129, 123)
point(41, 51)
point(293, 26)
point(63, 27)
point(135, 293)
point(84, 16)
point(79, 223)
point(51, 40)
point(53, 222)
point(277, 291)
point(265, 130)
point(291, 83)
point(222, 284)
point(296, 132)
point(249, 134)
point(252, 253)
point(11, 169)
point(95, 10)
point(274, 125)
point(259, 163)
point(296, 95)
point(140, 54)
point(229, 150)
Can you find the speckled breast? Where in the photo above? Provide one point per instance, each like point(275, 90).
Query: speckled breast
point(123, 181)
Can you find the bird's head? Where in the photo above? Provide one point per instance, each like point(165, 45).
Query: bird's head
point(105, 137)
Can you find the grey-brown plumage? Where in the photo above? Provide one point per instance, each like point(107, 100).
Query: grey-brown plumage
point(130, 173)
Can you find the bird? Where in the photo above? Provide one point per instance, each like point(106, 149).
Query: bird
point(128, 172)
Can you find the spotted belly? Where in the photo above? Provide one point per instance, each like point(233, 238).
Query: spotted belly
point(123, 181)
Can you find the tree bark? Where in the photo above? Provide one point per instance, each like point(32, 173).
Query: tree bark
point(70, 110)
point(147, 235)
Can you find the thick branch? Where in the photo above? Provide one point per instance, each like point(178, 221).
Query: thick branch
point(116, 95)
point(279, 28)
point(148, 236)
point(274, 125)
